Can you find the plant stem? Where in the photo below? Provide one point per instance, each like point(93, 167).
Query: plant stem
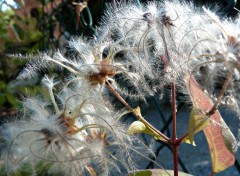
point(119, 97)
point(179, 141)
point(174, 136)
point(223, 90)
point(175, 159)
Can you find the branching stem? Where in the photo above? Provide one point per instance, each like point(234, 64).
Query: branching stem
point(174, 142)
point(119, 97)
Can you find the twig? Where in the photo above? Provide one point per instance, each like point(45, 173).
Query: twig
point(119, 97)
point(223, 90)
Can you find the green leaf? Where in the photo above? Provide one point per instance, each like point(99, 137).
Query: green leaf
point(197, 122)
point(2, 85)
point(143, 127)
point(35, 36)
point(139, 127)
point(142, 173)
point(11, 99)
point(2, 99)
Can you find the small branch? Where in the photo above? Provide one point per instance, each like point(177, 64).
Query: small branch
point(223, 90)
point(179, 141)
point(119, 97)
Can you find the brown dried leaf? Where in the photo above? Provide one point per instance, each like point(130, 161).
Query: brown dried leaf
point(222, 143)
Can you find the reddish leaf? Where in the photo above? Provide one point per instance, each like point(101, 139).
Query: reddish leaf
point(220, 139)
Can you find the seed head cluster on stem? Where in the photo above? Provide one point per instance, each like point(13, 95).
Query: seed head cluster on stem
point(136, 53)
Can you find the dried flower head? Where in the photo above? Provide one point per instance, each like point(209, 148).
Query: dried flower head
point(140, 51)
point(72, 133)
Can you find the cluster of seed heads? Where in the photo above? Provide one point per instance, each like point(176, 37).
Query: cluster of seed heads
point(139, 51)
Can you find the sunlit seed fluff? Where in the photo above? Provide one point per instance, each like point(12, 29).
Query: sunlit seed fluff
point(147, 47)
point(162, 39)
point(80, 132)
point(140, 51)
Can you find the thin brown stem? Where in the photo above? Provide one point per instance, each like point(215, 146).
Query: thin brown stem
point(223, 90)
point(175, 159)
point(179, 141)
point(119, 97)
point(174, 117)
point(174, 136)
